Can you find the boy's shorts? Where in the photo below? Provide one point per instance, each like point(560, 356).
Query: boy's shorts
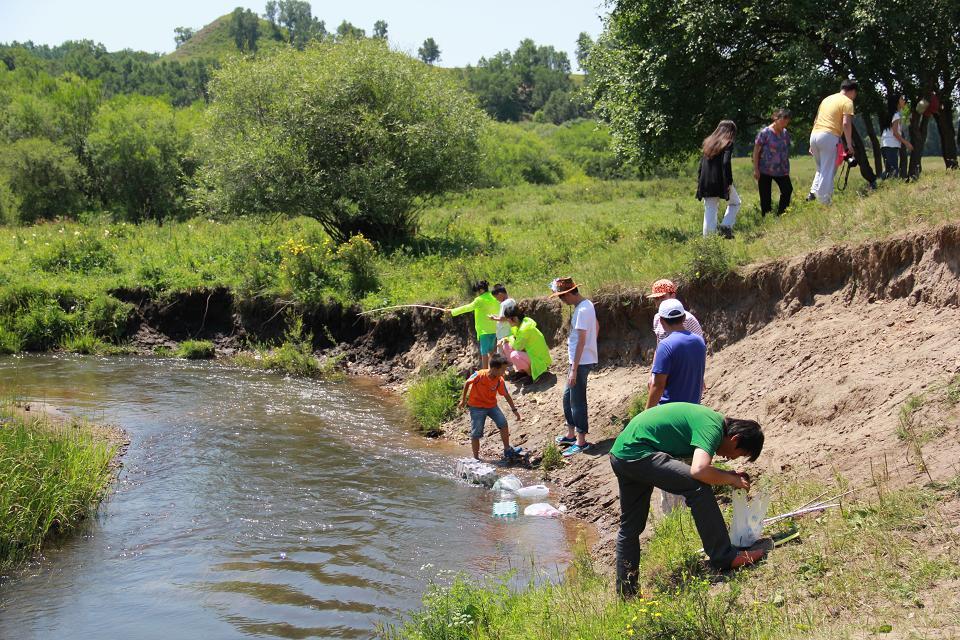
point(488, 342)
point(478, 416)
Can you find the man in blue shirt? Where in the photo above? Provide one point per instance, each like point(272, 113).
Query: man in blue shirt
point(680, 360)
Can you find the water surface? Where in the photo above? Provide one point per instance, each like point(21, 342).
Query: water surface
point(251, 505)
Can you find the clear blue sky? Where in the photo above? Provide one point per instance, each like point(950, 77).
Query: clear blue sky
point(464, 30)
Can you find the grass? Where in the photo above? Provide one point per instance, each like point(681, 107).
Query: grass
point(57, 279)
point(433, 399)
point(920, 420)
point(293, 356)
point(552, 458)
point(50, 478)
point(196, 350)
point(873, 567)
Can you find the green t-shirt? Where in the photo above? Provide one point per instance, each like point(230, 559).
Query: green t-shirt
point(676, 428)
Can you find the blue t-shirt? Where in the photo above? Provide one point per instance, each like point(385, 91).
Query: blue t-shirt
point(683, 357)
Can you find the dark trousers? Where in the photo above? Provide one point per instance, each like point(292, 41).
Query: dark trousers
point(575, 400)
point(766, 188)
point(637, 478)
point(891, 162)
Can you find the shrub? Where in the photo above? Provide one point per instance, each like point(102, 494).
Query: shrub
point(83, 253)
point(589, 145)
point(350, 133)
point(44, 325)
point(43, 180)
point(9, 341)
point(196, 350)
point(138, 151)
point(638, 403)
point(433, 400)
point(106, 316)
point(359, 255)
point(513, 155)
point(293, 357)
point(305, 267)
point(710, 261)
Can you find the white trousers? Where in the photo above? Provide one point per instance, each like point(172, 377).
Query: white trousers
point(711, 207)
point(823, 147)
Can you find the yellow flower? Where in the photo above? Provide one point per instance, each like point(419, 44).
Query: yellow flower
point(629, 632)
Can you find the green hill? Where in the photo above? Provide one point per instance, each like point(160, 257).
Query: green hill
point(214, 41)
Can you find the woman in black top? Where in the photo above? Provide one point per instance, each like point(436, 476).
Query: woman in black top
point(715, 180)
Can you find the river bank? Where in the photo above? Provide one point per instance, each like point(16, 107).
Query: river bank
point(56, 470)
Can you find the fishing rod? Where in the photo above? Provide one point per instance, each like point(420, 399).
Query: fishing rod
point(403, 306)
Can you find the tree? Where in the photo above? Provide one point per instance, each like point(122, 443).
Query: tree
point(181, 35)
point(298, 19)
point(584, 44)
point(245, 29)
point(380, 30)
point(137, 153)
point(44, 179)
point(352, 134)
point(512, 85)
point(429, 52)
point(346, 30)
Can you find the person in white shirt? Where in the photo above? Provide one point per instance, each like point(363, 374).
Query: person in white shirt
point(582, 347)
point(506, 302)
point(891, 136)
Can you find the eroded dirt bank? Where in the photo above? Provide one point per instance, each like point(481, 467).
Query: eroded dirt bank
point(822, 349)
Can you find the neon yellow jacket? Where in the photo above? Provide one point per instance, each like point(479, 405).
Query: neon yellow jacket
point(528, 338)
point(482, 306)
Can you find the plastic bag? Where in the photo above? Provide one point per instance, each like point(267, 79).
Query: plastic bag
point(542, 509)
point(747, 524)
point(535, 492)
point(507, 483)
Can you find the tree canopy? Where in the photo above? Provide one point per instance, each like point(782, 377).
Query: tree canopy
point(663, 74)
point(351, 134)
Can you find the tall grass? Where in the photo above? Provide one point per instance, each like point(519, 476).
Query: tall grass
point(433, 400)
point(50, 477)
point(875, 566)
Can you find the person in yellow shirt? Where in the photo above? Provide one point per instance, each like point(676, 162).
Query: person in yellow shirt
point(834, 121)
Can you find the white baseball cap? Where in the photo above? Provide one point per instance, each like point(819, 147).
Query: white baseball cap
point(672, 309)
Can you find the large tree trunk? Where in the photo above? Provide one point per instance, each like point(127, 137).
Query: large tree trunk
point(918, 137)
point(874, 142)
point(948, 138)
point(860, 152)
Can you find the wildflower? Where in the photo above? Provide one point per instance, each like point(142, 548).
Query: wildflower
point(76, 233)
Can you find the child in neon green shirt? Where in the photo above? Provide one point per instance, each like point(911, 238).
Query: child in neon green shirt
point(483, 306)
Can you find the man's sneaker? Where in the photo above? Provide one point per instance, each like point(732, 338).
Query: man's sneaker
point(811, 197)
point(746, 558)
point(726, 232)
point(565, 440)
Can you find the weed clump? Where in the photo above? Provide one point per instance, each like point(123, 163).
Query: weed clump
point(51, 477)
point(710, 261)
point(196, 350)
point(552, 458)
point(433, 400)
point(294, 356)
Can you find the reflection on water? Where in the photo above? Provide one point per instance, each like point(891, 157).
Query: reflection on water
point(250, 504)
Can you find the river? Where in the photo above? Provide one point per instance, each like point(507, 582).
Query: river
point(253, 505)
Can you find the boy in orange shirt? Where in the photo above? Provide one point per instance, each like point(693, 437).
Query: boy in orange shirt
point(483, 387)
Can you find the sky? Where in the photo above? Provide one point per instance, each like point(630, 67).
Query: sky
point(465, 31)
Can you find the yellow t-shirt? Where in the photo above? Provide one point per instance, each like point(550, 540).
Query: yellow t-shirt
point(831, 112)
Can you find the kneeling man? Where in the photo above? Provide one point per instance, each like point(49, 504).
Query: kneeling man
point(648, 454)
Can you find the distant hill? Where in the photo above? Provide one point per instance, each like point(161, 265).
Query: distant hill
point(214, 41)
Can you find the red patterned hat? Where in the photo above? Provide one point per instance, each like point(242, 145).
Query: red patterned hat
point(663, 287)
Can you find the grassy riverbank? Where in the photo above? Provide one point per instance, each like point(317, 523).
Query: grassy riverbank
point(52, 474)
point(883, 563)
point(56, 278)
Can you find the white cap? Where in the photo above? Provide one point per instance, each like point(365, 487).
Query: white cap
point(672, 309)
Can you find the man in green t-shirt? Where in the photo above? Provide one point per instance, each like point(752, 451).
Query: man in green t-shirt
point(646, 455)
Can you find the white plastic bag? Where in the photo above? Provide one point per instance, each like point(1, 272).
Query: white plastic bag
point(747, 524)
point(542, 509)
point(535, 492)
point(507, 483)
